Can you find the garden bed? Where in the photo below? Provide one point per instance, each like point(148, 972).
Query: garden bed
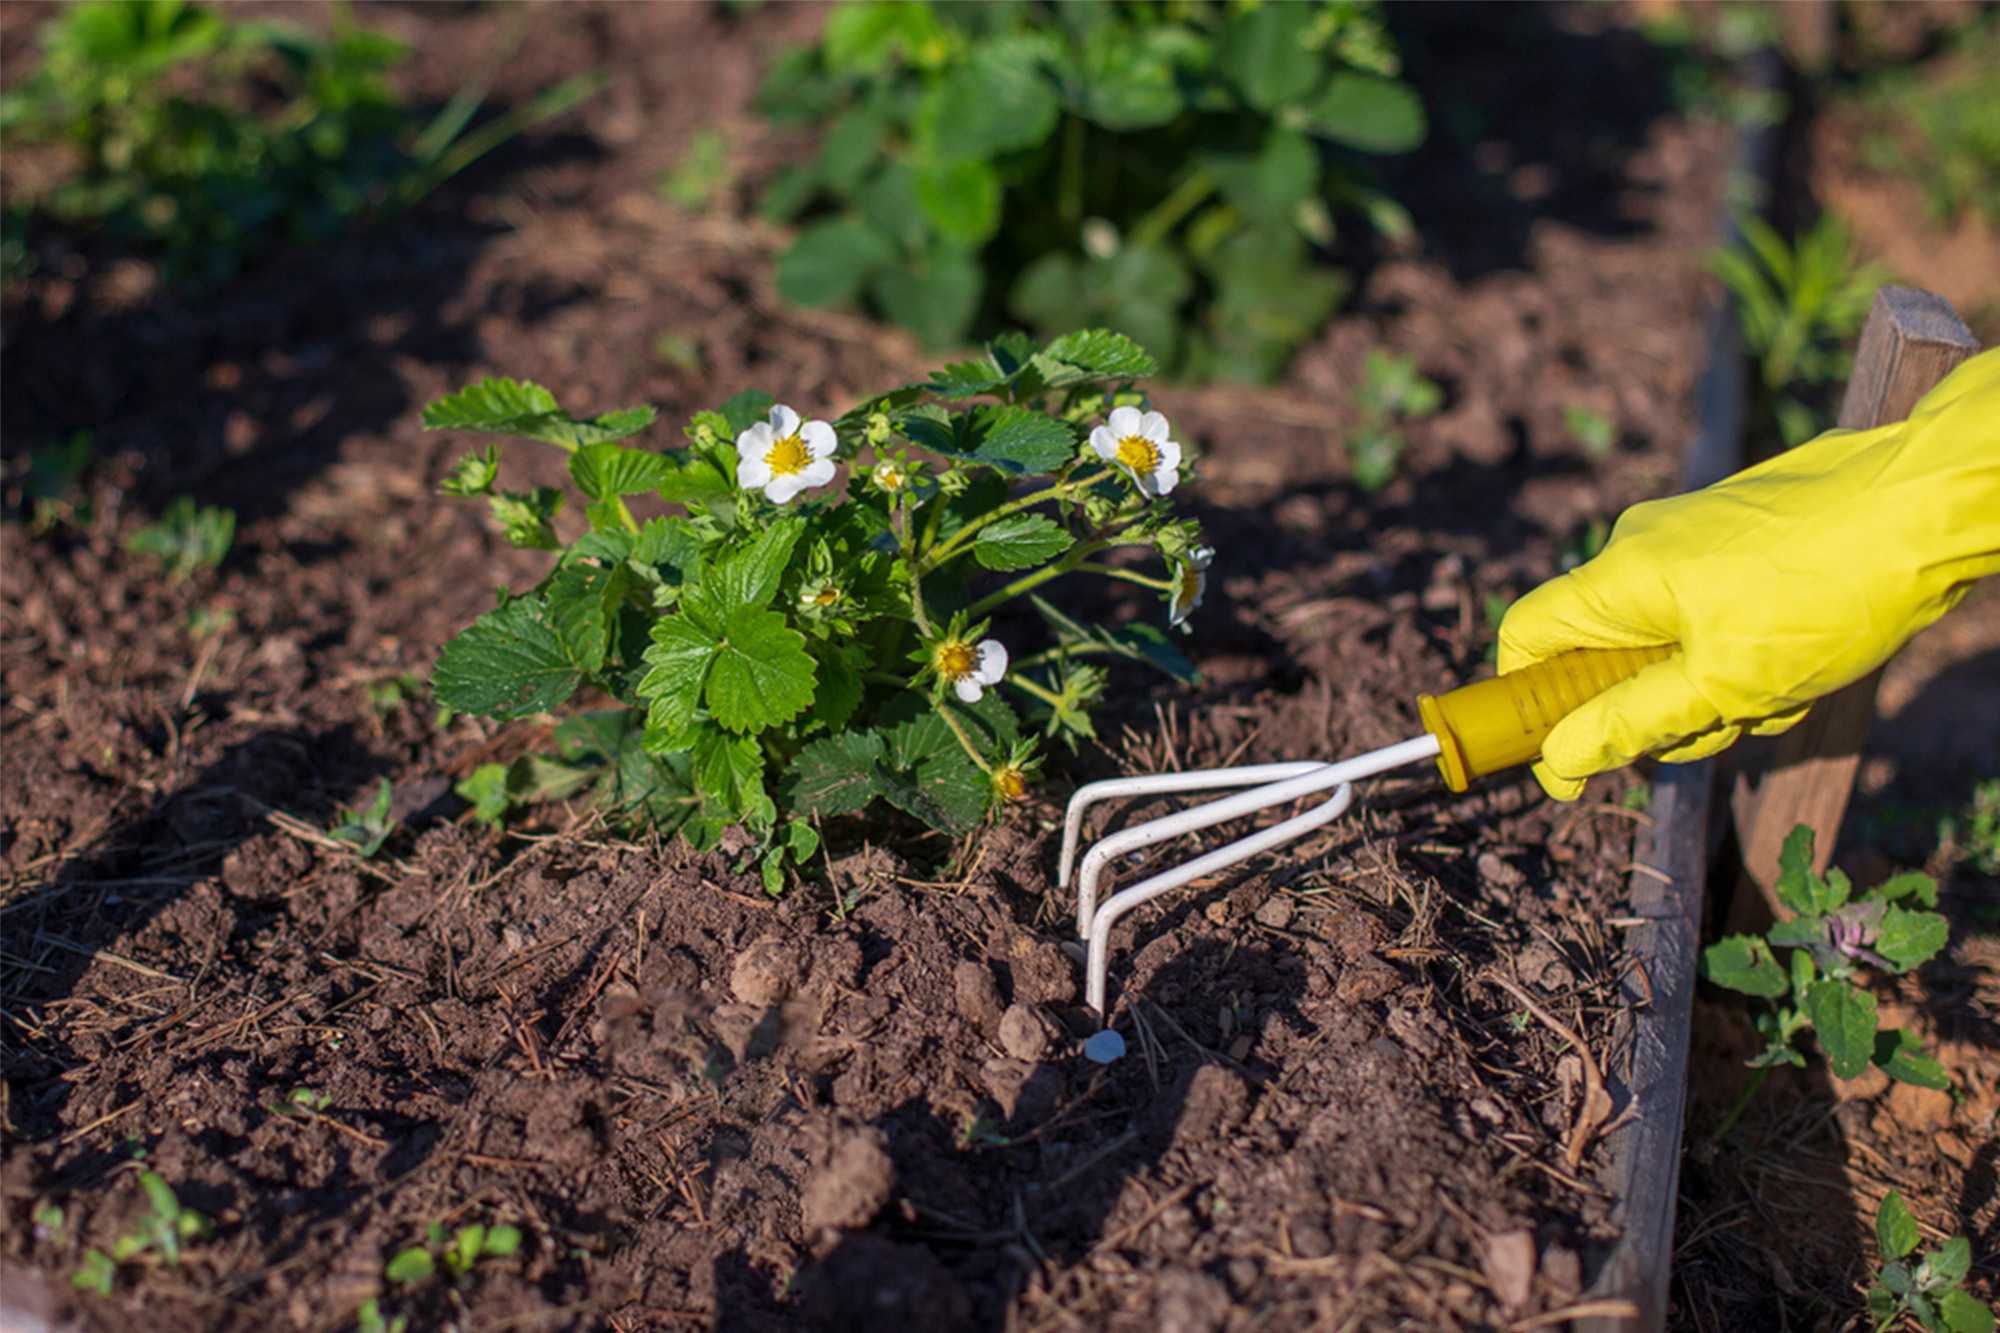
point(1359, 1093)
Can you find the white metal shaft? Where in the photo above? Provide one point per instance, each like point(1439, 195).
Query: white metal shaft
point(1317, 778)
point(1158, 784)
point(1097, 962)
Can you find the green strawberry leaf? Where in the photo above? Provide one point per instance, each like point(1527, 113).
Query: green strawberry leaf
point(602, 471)
point(511, 407)
point(836, 775)
point(680, 657)
point(1094, 356)
point(1019, 542)
point(511, 662)
point(946, 792)
point(762, 674)
point(750, 576)
point(730, 773)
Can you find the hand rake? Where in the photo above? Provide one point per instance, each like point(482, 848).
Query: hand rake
point(1472, 731)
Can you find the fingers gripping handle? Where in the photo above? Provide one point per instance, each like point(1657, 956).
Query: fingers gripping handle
point(1498, 723)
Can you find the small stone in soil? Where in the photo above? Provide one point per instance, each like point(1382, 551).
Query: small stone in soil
point(1105, 1048)
point(1022, 1034)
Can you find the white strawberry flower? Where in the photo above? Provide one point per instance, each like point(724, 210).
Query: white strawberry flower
point(1142, 444)
point(784, 456)
point(970, 667)
point(1190, 582)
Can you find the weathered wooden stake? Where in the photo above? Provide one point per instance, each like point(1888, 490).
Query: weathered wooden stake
point(1912, 340)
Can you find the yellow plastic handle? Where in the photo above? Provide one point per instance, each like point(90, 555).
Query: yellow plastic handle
point(1498, 723)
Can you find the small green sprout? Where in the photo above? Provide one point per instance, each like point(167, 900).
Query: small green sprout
point(1596, 432)
point(456, 1252)
point(1832, 937)
point(1932, 1291)
point(1391, 393)
point(161, 1232)
point(365, 830)
point(302, 1103)
point(703, 174)
point(187, 538)
point(368, 1318)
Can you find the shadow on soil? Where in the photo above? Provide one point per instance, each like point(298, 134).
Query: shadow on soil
point(1174, 1091)
point(137, 871)
point(241, 396)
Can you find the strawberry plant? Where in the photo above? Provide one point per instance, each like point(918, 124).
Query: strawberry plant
point(148, 99)
point(1832, 938)
point(787, 648)
point(1172, 171)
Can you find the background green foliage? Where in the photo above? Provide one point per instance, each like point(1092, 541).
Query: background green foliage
point(212, 139)
point(1800, 303)
point(1171, 171)
point(1941, 127)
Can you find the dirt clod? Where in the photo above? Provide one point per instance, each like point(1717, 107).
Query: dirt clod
point(853, 1185)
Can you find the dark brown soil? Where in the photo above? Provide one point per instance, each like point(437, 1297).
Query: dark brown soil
point(863, 1105)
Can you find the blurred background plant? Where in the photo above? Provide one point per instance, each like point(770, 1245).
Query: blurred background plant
point(1172, 171)
point(210, 139)
point(1800, 305)
point(1940, 126)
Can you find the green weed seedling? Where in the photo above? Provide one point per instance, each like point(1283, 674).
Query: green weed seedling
point(1391, 393)
point(1929, 1291)
point(187, 538)
point(1799, 305)
point(455, 1252)
point(1596, 432)
point(789, 649)
point(366, 829)
point(1941, 127)
point(1172, 171)
point(166, 1227)
point(154, 99)
point(1831, 939)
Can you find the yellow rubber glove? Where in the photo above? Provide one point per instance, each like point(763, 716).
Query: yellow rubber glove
point(1780, 584)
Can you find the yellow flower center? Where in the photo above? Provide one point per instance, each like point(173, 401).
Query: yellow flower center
point(1139, 453)
point(889, 477)
point(1010, 783)
point(1190, 583)
point(954, 660)
point(826, 596)
point(788, 457)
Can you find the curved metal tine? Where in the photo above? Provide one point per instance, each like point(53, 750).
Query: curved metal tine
point(1098, 859)
point(1097, 963)
point(1154, 784)
point(1314, 780)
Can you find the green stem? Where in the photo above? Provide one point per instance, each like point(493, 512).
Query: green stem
point(1742, 1104)
point(916, 573)
point(1027, 686)
point(1168, 213)
point(958, 539)
point(944, 711)
point(1027, 582)
point(1130, 576)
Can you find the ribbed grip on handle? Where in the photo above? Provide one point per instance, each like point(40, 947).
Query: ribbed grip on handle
point(1498, 723)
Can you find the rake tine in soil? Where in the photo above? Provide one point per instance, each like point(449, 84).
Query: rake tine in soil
point(1158, 784)
point(1097, 964)
point(1094, 922)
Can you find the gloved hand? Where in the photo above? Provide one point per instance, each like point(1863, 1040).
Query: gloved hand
point(1780, 584)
